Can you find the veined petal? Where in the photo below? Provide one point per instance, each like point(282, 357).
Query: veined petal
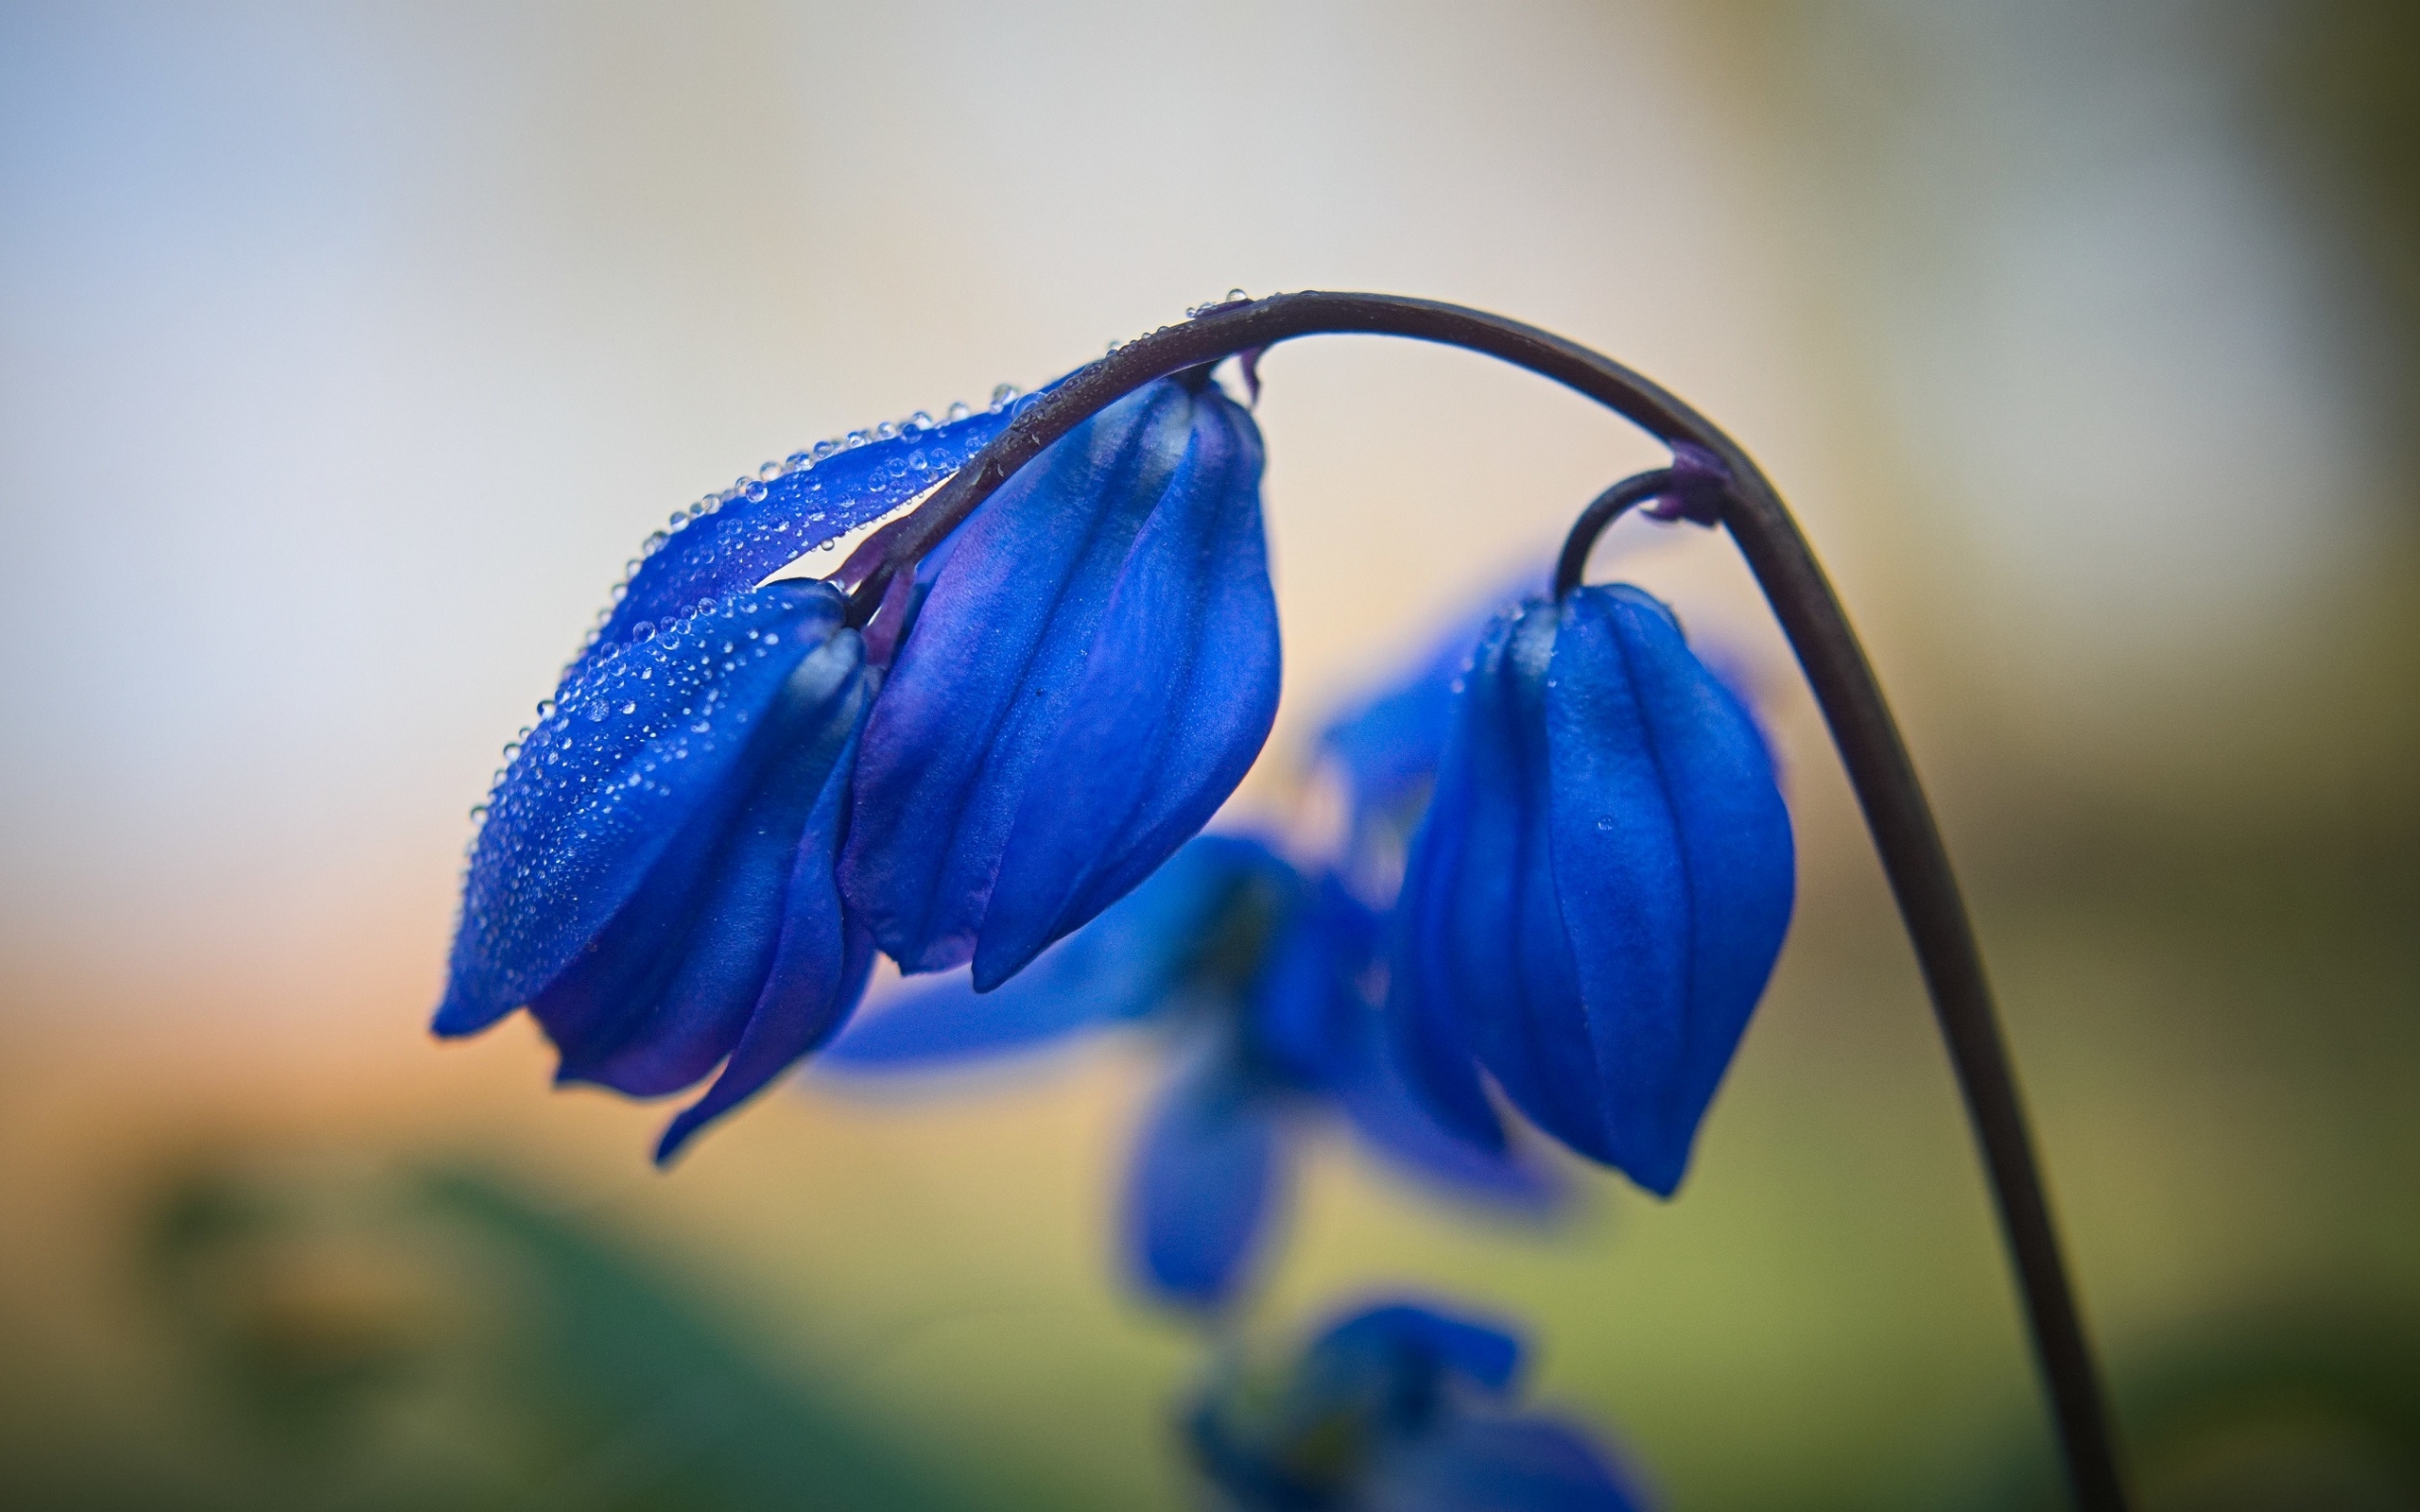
point(1121, 965)
point(755, 529)
point(998, 647)
point(1173, 705)
point(1201, 1186)
point(642, 742)
point(1673, 860)
point(1492, 962)
point(820, 960)
point(668, 988)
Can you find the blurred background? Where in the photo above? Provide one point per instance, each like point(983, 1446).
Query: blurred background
point(346, 352)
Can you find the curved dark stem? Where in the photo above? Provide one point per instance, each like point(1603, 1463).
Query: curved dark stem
point(1603, 510)
point(1862, 725)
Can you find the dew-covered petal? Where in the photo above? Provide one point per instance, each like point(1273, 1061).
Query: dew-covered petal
point(1198, 1192)
point(1121, 967)
point(821, 957)
point(1499, 1462)
point(1673, 860)
point(722, 931)
point(641, 743)
point(1174, 702)
point(999, 646)
point(749, 531)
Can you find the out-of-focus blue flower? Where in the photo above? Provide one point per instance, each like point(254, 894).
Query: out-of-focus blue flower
point(1599, 891)
point(1263, 976)
point(655, 879)
point(1092, 667)
point(1400, 1408)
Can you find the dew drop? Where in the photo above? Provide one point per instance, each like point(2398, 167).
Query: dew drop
point(859, 438)
point(958, 410)
point(629, 706)
point(885, 430)
point(1003, 395)
point(643, 631)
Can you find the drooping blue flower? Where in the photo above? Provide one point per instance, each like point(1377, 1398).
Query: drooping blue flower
point(655, 879)
point(1262, 977)
point(1399, 1408)
point(1091, 672)
point(1598, 893)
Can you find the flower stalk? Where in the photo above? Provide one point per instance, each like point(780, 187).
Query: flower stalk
point(1711, 481)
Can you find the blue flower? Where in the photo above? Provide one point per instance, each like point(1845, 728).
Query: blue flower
point(654, 878)
point(1262, 976)
point(1399, 1408)
point(1598, 893)
point(1092, 669)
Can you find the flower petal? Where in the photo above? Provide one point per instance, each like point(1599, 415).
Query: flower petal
point(1494, 1463)
point(756, 529)
point(709, 940)
point(1203, 1177)
point(1121, 965)
point(640, 742)
point(1175, 700)
point(1673, 860)
point(1491, 963)
point(1416, 1344)
point(998, 647)
point(1400, 1126)
point(820, 960)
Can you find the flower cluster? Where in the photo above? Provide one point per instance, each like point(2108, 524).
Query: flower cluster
point(1566, 876)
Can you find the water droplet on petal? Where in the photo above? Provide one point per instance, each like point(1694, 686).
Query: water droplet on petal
point(958, 410)
point(1003, 395)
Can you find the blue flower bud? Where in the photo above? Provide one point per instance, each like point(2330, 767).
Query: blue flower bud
point(1600, 888)
point(655, 879)
point(1089, 676)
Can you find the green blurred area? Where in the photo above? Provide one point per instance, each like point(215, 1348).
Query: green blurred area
point(2212, 977)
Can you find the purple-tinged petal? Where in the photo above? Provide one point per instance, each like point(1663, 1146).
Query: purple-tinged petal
point(670, 983)
point(1175, 700)
point(976, 692)
point(821, 962)
point(645, 747)
point(1490, 963)
point(1673, 859)
point(1206, 1174)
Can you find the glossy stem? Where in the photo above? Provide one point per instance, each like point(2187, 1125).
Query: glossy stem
point(1862, 728)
